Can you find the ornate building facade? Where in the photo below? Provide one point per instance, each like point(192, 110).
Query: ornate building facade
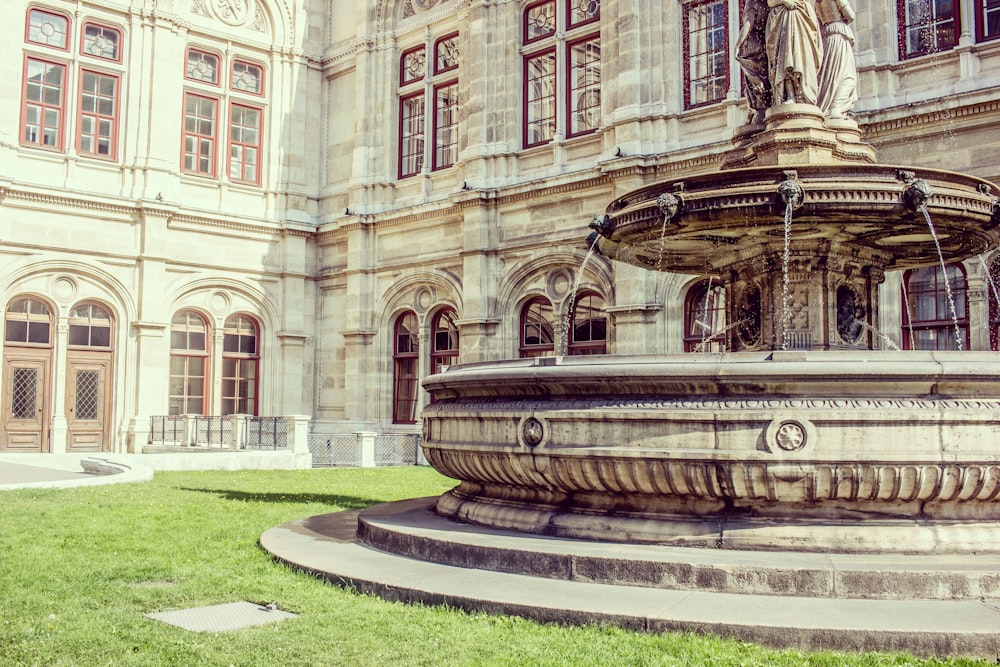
point(292, 207)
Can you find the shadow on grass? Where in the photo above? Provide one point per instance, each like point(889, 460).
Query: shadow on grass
point(341, 502)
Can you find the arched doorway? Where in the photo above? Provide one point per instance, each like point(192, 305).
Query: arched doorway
point(27, 366)
point(88, 378)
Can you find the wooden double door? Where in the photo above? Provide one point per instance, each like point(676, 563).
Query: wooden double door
point(27, 400)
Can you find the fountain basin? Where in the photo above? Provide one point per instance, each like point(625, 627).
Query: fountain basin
point(739, 212)
point(843, 451)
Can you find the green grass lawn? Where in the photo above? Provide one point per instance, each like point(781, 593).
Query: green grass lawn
point(79, 568)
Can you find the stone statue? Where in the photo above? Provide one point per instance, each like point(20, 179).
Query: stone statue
point(752, 57)
point(838, 74)
point(794, 51)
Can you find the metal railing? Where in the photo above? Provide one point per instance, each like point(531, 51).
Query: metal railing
point(229, 432)
point(365, 449)
point(265, 433)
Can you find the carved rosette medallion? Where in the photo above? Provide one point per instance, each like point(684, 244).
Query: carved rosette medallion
point(790, 436)
point(787, 434)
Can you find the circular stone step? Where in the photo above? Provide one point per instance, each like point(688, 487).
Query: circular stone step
point(412, 529)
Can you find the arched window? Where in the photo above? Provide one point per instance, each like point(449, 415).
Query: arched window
point(562, 69)
point(993, 297)
point(240, 364)
point(28, 322)
point(589, 331)
point(537, 329)
point(444, 340)
point(188, 364)
point(420, 95)
point(89, 326)
point(928, 321)
point(705, 318)
point(405, 373)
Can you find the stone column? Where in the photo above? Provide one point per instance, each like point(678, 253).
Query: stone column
point(58, 430)
point(480, 279)
point(152, 351)
point(294, 377)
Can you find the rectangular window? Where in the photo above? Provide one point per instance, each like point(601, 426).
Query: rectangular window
point(404, 410)
point(445, 125)
point(926, 26)
point(706, 52)
point(244, 143)
point(42, 114)
point(584, 86)
point(187, 385)
point(540, 98)
point(988, 20)
point(98, 114)
point(239, 386)
point(411, 135)
point(200, 115)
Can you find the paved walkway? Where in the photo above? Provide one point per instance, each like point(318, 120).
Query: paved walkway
point(327, 546)
point(27, 471)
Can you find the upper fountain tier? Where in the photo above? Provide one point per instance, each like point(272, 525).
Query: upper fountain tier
point(799, 226)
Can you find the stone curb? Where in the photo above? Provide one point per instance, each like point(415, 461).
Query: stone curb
point(921, 627)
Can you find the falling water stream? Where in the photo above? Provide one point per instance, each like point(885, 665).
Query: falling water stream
point(944, 272)
point(785, 308)
point(568, 311)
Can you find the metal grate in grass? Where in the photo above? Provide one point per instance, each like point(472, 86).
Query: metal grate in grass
point(222, 617)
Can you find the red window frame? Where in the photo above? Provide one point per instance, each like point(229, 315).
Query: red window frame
point(705, 317)
point(203, 53)
point(533, 16)
point(445, 126)
point(240, 365)
point(32, 11)
point(582, 100)
point(708, 56)
point(444, 339)
point(588, 335)
point(412, 127)
point(993, 297)
point(43, 107)
point(418, 57)
point(930, 310)
point(539, 109)
point(536, 329)
point(987, 20)
point(247, 64)
point(930, 6)
point(194, 131)
point(117, 58)
point(98, 113)
point(184, 350)
point(405, 368)
point(244, 144)
point(589, 10)
point(446, 62)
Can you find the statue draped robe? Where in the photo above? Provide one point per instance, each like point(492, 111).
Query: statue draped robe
point(794, 51)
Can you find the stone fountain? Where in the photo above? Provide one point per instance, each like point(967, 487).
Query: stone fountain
point(838, 495)
point(804, 435)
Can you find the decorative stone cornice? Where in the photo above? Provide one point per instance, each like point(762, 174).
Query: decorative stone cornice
point(32, 199)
